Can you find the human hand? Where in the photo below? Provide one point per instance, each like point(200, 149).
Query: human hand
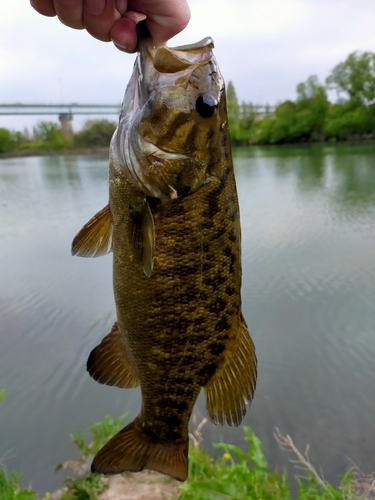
point(116, 20)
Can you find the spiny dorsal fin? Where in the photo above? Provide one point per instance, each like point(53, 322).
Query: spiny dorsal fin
point(133, 450)
point(233, 384)
point(108, 363)
point(95, 238)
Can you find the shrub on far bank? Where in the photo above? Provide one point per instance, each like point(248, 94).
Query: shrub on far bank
point(95, 133)
point(5, 140)
point(345, 120)
point(11, 141)
point(48, 135)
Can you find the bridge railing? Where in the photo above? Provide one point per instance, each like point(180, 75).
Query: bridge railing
point(59, 109)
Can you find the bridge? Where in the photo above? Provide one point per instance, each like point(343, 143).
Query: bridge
point(65, 112)
point(59, 109)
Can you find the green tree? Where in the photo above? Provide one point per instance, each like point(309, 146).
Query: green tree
point(346, 120)
point(233, 110)
point(311, 89)
point(312, 106)
point(298, 121)
point(48, 135)
point(355, 77)
point(5, 140)
point(95, 133)
point(11, 140)
point(232, 103)
point(246, 118)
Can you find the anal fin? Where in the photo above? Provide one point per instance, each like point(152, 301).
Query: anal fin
point(108, 363)
point(233, 384)
point(95, 238)
point(133, 450)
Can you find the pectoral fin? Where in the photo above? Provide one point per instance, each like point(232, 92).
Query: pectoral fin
point(144, 235)
point(108, 363)
point(95, 238)
point(233, 384)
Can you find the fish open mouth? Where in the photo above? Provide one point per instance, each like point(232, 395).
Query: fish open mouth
point(158, 66)
point(192, 69)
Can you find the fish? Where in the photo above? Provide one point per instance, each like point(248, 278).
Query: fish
point(172, 223)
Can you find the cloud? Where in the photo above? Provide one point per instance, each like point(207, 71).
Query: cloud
point(266, 47)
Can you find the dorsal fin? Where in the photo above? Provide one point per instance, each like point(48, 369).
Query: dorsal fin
point(95, 238)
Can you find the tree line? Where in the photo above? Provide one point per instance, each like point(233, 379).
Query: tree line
point(311, 117)
point(48, 136)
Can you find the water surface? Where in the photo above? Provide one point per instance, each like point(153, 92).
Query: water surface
point(308, 231)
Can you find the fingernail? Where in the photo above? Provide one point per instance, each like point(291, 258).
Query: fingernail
point(124, 48)
point(95, 6)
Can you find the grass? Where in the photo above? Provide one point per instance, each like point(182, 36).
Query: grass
point(10, 488)
point(87, 486)
point(235, 475)
point(239, 475)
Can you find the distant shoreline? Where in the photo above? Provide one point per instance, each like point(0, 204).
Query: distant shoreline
point(54, 152)
point(103, 150)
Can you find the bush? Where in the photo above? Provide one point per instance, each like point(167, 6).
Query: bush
point(5, 140)
point(10, 488)
point(95, 133)
point(345, 120)
point(48, 135)
point(237, 475)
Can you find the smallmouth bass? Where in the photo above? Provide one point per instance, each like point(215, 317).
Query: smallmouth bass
point(173, 225)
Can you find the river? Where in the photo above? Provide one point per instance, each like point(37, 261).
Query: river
point(308, 233)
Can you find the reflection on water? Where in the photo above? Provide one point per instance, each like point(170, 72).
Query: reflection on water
point(308, 227)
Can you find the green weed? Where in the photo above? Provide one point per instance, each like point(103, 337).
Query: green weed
point(10, 488)
point(236, 475)
point(239, 475)
point(83, 488)
point(101, 433)
point(87, 486)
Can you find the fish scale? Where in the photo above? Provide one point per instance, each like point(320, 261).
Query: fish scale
point(173, 225)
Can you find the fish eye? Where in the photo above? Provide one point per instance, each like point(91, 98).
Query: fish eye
point(205, 105)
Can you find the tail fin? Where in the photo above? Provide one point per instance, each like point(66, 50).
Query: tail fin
point(133, 450)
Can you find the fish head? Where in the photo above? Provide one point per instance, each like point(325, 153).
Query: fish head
point(173, 111)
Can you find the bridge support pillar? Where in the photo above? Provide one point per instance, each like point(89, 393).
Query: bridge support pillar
point(66, 124)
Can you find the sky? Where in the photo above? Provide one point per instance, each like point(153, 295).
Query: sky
point(265, 47)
